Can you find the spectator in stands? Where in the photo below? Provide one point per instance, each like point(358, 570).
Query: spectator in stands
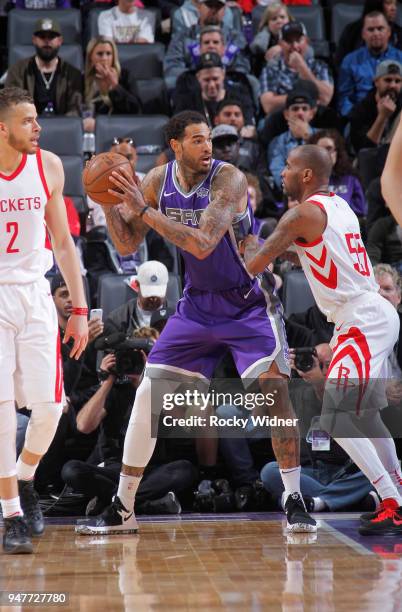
point(351, 37)
point(266, 42)
point(279, 76)
point(359, 67)
point(151, 285)
point(125, 23)
point(329, 479)
point(54, 84)
point(384, 242)
point(300, 110)
point(108, 89)
point(225, 144)
point(213, 87)
point(344, 180)
point(372, 119)
point(230, 112)
point(184, 49)
point(192, 11)
point(42, 4)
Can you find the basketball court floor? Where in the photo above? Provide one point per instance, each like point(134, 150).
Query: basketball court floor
point(241, 562)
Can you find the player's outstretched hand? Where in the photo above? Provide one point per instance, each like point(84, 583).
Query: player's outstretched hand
point(127, 190)
point(77, 328)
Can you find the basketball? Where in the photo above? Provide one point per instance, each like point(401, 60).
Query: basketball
point(95, 177)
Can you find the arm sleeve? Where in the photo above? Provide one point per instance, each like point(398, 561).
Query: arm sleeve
point(105, 24)
point(345, 87)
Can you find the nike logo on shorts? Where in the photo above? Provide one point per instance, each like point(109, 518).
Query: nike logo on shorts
point(169, 194)
point(248, 293)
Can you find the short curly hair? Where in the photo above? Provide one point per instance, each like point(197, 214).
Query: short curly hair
point(11, 96)
point(177, 125)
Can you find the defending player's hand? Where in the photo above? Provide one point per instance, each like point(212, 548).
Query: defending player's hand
point(127, 190)
point(77, 328)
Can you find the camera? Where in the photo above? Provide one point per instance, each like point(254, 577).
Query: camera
point(129, 359)
point(304, 358)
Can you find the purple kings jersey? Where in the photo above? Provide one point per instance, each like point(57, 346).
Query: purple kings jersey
point(223, 268)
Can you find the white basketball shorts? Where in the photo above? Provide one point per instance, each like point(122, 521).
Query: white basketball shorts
point(30, 357)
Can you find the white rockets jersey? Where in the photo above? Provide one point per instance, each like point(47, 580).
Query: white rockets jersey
point(25, 251)
point(336, 264)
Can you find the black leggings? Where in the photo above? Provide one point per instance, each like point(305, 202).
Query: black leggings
point(177, 476)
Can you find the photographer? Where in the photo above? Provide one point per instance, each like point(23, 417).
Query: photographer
point(329, 480)
point(110, 408)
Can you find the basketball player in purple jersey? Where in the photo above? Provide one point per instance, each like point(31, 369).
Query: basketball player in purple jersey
point(201, 205)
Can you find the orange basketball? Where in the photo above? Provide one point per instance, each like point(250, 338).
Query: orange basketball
point(95, 177)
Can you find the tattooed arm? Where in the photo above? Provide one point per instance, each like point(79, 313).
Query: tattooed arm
point(125, 228)
point(305, 222)
point(229, 196)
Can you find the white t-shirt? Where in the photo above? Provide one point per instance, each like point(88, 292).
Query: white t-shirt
point(127, 27)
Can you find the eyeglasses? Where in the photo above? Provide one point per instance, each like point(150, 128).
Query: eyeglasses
point(118, 140)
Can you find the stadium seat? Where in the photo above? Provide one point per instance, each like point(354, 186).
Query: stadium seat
point(21, 25)
point(145, 130)
point(146, 161)
point(371, 163)
point(153, 96)
point(61, 135)
point(297, 296)
point(73, 165)
point(342, 15)
point(70, 53)
point(142, 61)
point(313, 19)
point(113, 292)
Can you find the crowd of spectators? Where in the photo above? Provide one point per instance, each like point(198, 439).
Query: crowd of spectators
point(264, 87)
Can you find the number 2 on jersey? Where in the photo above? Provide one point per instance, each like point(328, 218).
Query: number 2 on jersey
point(12, 228)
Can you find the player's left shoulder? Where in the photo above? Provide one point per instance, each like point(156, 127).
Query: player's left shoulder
point(229, 177)
point(50, 161)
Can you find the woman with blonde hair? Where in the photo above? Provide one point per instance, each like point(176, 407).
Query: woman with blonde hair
point(108, 88)
point(266, 41)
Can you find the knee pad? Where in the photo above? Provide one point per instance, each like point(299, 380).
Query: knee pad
point(42, 426)
point(8, 432)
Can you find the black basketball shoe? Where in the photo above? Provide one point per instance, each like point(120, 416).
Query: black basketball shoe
point(16, 536)
point(115, 519)
point(297, 516)
point(29, 500)
point(387, 522)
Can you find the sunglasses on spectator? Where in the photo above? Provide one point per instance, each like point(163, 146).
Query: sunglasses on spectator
point(118, 140)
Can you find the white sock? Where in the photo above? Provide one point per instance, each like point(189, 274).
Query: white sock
point(11, 507)
point(386, 451)
point(25, 471)
point(362, 451)
point(291, 480)
point(128, 486)
point(319, 504)
point(396, 477)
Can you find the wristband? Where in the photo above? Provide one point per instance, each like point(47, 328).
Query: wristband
point(79, 311)
point(143, 210)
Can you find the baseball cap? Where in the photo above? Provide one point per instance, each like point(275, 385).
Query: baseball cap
point(153, 278)
point(388, 67)
point(224, 131)
point(293, 31)
point(209, 60)
point(47, 25)
point(300, 98)
point(212, 1)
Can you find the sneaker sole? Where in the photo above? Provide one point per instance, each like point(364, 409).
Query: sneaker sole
point(301, 528)
point(20, 549)
point(384, 532)
point(86, 530)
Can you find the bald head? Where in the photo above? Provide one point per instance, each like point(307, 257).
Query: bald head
point(315, 158)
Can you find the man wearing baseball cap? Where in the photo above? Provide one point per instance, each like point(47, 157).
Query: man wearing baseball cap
point(372, 119)
point(225, 143)
point(150, 284)
point(279, 75)
point(54, 84)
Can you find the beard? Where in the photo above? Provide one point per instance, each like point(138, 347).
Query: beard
point(46, 54)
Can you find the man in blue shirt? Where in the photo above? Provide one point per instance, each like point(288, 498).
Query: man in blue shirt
point(359, 67)
point(300, 111)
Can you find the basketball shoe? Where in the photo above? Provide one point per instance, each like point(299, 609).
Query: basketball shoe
point(298, 519)
point(30, 506)
point(16, 536)
point(387, 521)
point(115, 519)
